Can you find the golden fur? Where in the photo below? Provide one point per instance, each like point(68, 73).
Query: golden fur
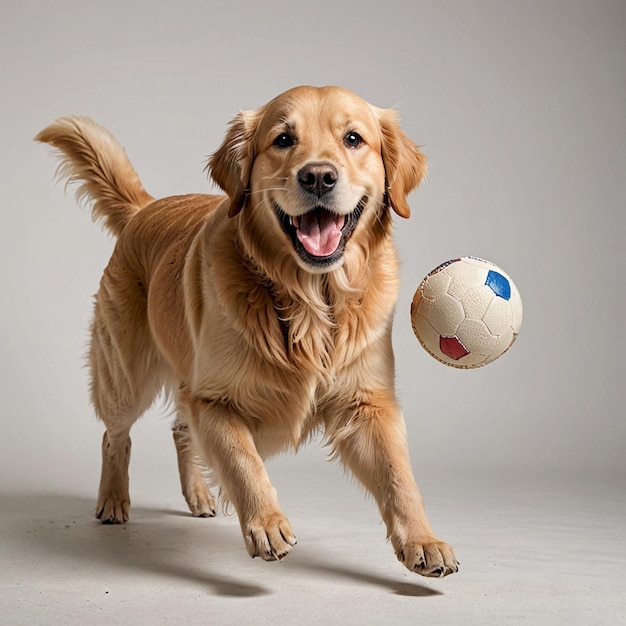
point(244, 310)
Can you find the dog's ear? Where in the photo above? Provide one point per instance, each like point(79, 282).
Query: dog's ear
point(405, 165)
point(230, 165)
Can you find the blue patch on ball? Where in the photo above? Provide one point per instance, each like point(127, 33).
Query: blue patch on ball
point(499, 285)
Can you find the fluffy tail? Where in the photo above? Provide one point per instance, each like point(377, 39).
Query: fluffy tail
point(93, 159)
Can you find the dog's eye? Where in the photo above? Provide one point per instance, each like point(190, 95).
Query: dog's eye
point(284, 140)
point(352, 139)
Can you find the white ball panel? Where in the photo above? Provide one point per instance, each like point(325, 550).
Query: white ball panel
point(428, 336)
point(473, 359)
point(517, 310)
point(475, 336)
point(476, 302)
point(503, 343)
point(446, 315)
point(470, 279)
point(436, 285)
point(425, 307)
point(498, 317)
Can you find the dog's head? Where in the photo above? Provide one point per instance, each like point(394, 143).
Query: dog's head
point(324, 163)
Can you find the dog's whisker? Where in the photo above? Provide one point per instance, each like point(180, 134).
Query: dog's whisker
point(266, 189)
point(285, 178)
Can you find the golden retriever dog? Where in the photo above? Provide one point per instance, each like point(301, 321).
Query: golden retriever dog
point(266, 313)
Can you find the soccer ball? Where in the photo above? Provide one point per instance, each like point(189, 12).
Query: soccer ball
point(466, 312)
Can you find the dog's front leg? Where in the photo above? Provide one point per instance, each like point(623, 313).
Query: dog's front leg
point(371, 441)
point(227, 445)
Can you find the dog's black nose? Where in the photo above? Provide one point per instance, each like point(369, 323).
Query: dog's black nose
point(318, 178)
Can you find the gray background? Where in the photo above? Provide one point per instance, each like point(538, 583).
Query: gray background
point(520, 107)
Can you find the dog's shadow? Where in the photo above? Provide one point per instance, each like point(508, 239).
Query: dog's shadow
point(166, 543)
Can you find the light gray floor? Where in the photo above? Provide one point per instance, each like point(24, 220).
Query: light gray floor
point(535, 547)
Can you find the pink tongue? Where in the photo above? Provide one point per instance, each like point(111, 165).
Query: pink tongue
point(320, 232)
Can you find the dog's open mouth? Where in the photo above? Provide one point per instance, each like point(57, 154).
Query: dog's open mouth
point(320, 236)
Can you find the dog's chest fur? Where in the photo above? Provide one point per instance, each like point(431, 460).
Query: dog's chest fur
point(296, 352)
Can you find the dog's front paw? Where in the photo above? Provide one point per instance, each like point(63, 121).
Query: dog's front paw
point(269, 537)
point(431, 557)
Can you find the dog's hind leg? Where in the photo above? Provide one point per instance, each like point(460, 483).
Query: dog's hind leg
point(195, 490)
point(126, 376)
point(113, 506)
